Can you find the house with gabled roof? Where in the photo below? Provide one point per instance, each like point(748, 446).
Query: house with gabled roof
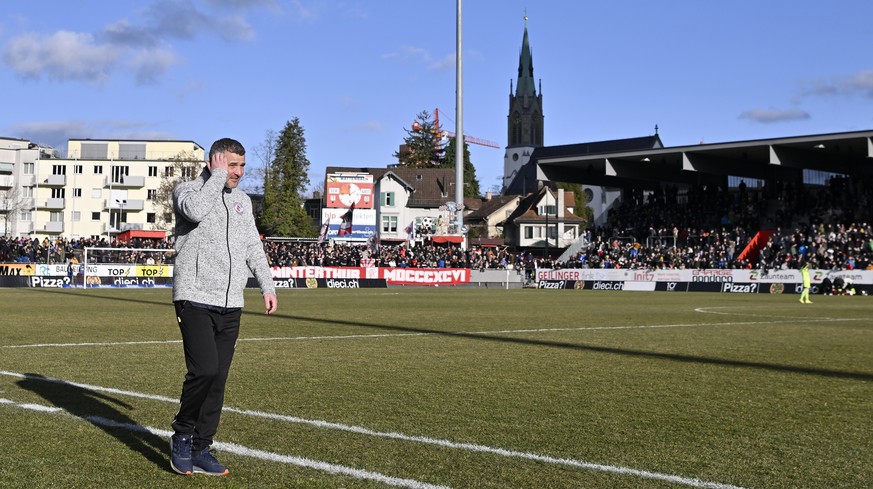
point(487, 214)
point(419, 199)
point(543, 219)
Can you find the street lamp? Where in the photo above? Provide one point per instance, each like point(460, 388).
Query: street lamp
point(546, 232)
point(120, 203)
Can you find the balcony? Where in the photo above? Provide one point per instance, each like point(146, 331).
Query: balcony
point(55, 181)
point(23, 227)
point(53, 227)
point(6, 181)
point(131, 205)
point(125, 226)
point(125, 181)
point(53, 204)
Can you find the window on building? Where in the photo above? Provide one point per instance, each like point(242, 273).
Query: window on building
point(77, 169)
point(26, 215)
point(528, 232)
point(153, 171)
point(169, 171)
point(119, 172)
point(77, 216)
point(95, 216)
point(387, 199)
point(131, 151)
point(389, 224)
point(56, 216)
point(96, 193)
point(95, 151)
point(77, 192)
point(98, 169)
point(150, 217)
point(153, 194)
point(28, 168)
point(27, 192)
point(548, 209)
point(59, 169)
point(58, 193)
point(188, 172)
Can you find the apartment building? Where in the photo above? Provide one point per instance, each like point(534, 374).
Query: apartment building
point(102, 187)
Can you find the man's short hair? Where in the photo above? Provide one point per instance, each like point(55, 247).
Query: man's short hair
point(226, 145)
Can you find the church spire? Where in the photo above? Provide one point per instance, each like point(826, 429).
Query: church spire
point(526, 84)
point(525, 119)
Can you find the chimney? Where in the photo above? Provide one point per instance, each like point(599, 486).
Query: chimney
point(487, 196)
point(561, 207)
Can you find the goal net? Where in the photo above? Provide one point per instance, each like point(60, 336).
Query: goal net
point(125, 267)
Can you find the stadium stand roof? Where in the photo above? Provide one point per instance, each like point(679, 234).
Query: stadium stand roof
point(784, 159)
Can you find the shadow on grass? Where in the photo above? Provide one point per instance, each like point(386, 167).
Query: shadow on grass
point(102, 411)
point(865, 376)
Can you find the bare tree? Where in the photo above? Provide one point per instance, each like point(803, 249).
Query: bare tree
point(255, 176)
point(315, 189)
point(11, 203)
point(184, 166)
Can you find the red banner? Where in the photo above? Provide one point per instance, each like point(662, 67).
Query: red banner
point(393, 276)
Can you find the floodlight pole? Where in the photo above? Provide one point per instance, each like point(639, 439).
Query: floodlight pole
point(459, 127)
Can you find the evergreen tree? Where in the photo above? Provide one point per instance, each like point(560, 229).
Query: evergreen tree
point(285, 179)
point(421, 146)
point(580, 201)
point(471, 183)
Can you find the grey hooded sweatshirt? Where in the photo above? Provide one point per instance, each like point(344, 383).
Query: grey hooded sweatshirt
point(217, 243)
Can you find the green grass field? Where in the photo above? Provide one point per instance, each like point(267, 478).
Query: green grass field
point(460, 388)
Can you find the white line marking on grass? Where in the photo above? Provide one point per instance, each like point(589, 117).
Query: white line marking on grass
point(708, 310)
point(447, 333)
point(108, 343)
point(244, 451)
point(471, 447)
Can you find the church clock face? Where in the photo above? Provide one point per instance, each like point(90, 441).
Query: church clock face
point(350, 194)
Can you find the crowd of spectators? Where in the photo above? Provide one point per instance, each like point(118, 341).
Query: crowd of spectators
point(62, 250)
point(702, 227)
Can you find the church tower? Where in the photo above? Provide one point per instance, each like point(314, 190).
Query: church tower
point(525, 120)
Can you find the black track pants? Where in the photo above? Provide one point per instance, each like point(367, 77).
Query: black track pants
point(209, 339)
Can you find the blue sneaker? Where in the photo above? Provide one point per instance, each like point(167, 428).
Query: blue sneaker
point(205, 463)
point(180, 454)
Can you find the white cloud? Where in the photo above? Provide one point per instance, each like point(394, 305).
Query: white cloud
point(303, 12)
point(774, 115)
point(52, 133)
point(860, 83)
point(176, 18)
point(61, 56)
point(370, 126)
point(145, 48)
point(242, 4)
point(235, 28)
point(122, 32)
point(445, 64)
point(150, 64)
point(409, 53)
point(57, 133)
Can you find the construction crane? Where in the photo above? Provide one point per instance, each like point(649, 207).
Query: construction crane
point(444, 135)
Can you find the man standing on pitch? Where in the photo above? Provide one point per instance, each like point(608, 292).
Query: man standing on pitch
point(804, 276)
point(217, 244)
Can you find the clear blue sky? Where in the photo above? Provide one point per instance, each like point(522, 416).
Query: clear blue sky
point(356, 72)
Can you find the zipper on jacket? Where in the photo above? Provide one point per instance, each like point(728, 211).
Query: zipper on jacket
point(227, 243)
